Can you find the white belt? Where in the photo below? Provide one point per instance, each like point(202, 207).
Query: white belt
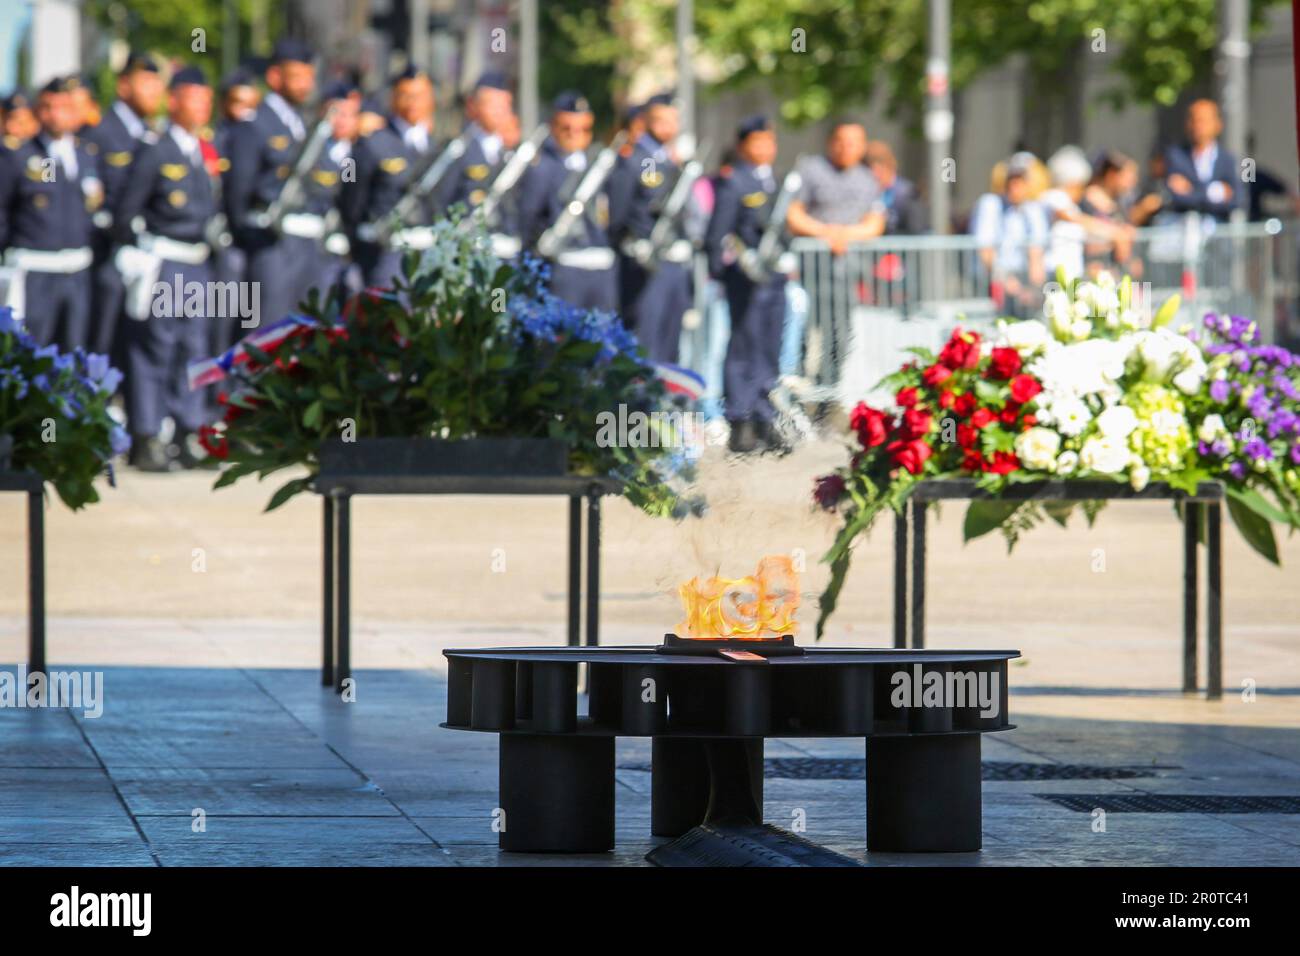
point(418, 237)
point(190, 253)
point(679, 251)
point(593, 257)
point(505, 247)
point(66, 261)
point(303, 225)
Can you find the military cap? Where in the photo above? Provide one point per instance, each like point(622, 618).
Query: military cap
point(758, 123)
point(17, 100)
point(571, 101)
point(492, 80)
point(60, 84)
point(240, 76)
point(139, 60)
point(291, 50)
point(188, 76)
point(338, 90)
point(666, 98)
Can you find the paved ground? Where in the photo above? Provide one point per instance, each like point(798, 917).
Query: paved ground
point(205, 612)
point(283, 772)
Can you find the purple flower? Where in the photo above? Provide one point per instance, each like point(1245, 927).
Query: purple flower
point(1257, 449)
point(1295, 454)
point(1219, 390)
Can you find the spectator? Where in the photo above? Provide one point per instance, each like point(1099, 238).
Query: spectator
point(840, 201)
point(1108, 197)
point(904, 213)
point(1153, 204)
point(1069, 227)
point(1266, 183)
point(1203, 178)
point(1012, 229)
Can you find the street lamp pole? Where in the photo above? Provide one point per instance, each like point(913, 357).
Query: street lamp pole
point(528, 109)
point(686, 68)
point(938, 112)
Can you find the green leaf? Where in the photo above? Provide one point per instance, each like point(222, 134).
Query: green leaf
point(984, 515)
point(287, 491)
point(1257, 503)
point(1254, 528)
point(1167, 311)
point(311, 418)
point(1059, 511)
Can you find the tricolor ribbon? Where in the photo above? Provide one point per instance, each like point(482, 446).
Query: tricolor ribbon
point(213, 370)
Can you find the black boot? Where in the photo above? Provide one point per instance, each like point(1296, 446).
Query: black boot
point(148, 453)
point(771, 439)
point(743, 440)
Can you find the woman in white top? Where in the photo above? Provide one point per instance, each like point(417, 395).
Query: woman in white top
point(1069, 226)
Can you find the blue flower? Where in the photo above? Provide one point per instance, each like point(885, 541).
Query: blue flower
point(7, 323)
point(119, 440)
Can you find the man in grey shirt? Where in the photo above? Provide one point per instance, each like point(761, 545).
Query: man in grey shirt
point(840, 201)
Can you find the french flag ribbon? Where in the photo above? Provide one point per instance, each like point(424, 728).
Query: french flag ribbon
point(213, 370)
point(680, 381)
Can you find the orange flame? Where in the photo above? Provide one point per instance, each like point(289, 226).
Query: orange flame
point(759, 607)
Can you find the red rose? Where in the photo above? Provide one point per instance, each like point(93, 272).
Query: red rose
point(964, 404)
point(909, 454)
point(1029, 421)
point(1004, 363)
point(1003, 463)
point(906, 397)
point(1008, 415)
point(967, 436)
point(947, 399)
point(936, 375)
point(972, 460)
point(962, 350)
point(828, 490)
point(1024, 387)
point(981, 417)
point(213, 442)
point(869, 423)
point(916, 423)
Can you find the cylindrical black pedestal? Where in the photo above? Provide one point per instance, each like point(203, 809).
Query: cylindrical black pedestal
point(694, 780)
point(923, 793)
point(557, 792)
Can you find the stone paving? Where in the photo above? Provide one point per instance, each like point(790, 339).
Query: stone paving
point(283, 772)
point(203, 613)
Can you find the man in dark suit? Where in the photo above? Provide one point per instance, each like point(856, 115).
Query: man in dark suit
point(261, 152)
point(1203, 177)
point(582, 270)
point(172, 192)
point(386, 160)
point(741, 213)
point(120, 135)
point(49, 189)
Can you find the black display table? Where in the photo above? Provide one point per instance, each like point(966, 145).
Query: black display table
point(708, 717)
point(337, 490)
point(1208, 499)
point(34, 486)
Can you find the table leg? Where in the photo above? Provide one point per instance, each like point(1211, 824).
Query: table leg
point(593, 570)
point(710, 780)
point(575, 570)
point(343, 614)
point(327, 601)
point(923, 793)
point(918, 573)
point(557, 793)
point(1191, 599)
point(1214, 602)
point(36, 581)
point(900, 578)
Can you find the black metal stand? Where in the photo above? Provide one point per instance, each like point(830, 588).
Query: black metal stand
point(557, 793)
point(704, 780)
point(1203, 508)
point(923, 793)
point(34, 487)
point(337, 491)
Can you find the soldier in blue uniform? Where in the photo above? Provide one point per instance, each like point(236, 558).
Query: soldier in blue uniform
point(238, 101)
point(490, 112)
point(654, 297)
point(741, 211)
point(171, 190)
point(20, 123)
point(334, 170)
point(49, 189)
point(386, 160)
point(260, 153)
point(120, 135)
point(582, 270)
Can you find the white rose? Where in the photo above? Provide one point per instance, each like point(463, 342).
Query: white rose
point(1104, 455)
point(1139, 475)
point(1211, 428)
point(1067, 463)
point(1025, 337)
point(1037, 448)
point(1189, 380)
point(1167, 423)
point(1071, 416)
point(1081, 329)
point(1117, 422)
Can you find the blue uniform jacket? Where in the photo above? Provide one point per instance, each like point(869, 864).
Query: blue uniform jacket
point(172, 194)
point(40, 208)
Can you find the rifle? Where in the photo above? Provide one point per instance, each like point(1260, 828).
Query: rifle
point(505, 180)
point(553, 238)
point(647, 251)
point(419, 188)
point(758, 263)
point(293, 193)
